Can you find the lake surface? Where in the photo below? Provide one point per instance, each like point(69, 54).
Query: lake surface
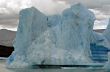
point(64, 69)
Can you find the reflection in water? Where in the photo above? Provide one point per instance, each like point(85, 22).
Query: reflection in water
point(51, 69)
point(58, 70)
point(64, 69)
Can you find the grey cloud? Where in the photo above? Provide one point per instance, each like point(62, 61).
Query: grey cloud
point(9, 9)
point(9, 20)
point(8, 16)
point(101, 5)
point(89, 3)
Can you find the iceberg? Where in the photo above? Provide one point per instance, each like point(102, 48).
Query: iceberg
point(99, 47)
point(62, 39)
point(107, 36)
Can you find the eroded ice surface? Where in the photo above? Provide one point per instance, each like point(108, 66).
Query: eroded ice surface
point(59, 39)
point(107, 32)
point(100, 39)
point(99, 47)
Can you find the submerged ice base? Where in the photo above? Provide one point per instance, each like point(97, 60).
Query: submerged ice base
point(54, 40)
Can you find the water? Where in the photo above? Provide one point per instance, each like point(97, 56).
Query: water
point(63, 69)
point(58, 70)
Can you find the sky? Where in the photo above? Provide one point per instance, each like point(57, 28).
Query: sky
point(9, 10)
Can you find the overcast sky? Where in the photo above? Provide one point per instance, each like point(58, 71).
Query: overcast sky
point(9, 10)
